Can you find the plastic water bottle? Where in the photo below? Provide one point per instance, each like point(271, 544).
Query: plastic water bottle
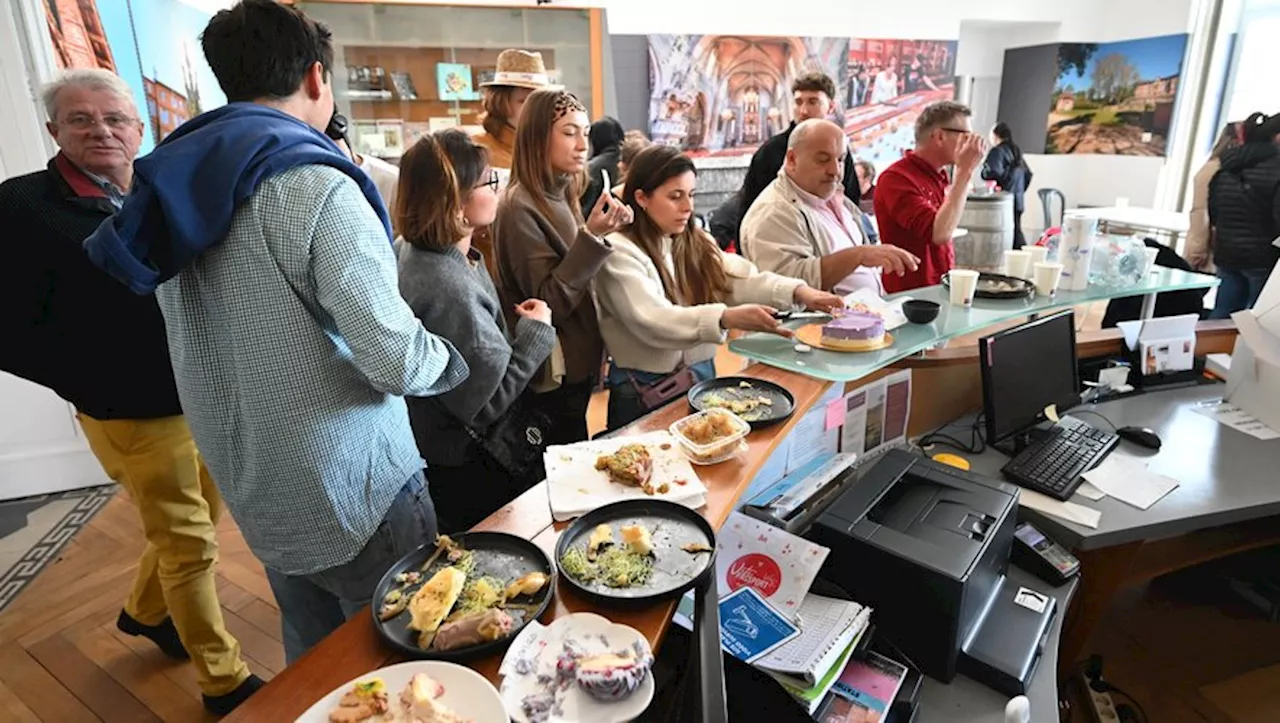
point(1018, 710)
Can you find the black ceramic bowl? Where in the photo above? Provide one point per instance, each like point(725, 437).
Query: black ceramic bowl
point(919, 311)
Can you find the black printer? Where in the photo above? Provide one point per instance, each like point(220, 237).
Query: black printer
point(927, 546)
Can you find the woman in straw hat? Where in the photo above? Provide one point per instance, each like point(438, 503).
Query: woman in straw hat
point(519, 73)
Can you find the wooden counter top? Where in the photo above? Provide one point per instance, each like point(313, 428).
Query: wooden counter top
point(355, 649)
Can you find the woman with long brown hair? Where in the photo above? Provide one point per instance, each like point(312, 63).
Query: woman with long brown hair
point(668, 294)
point(546, 250)
point(447, 189)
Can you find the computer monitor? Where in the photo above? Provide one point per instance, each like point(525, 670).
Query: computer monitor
point(1024, 370)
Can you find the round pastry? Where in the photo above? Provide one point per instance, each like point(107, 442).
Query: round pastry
point(854, 331)
point(612, 676)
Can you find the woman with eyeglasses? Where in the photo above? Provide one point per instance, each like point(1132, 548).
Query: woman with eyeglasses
point(447, 189)
point(668, 294)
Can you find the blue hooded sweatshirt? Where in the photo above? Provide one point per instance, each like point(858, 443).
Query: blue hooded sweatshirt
point(186, 191)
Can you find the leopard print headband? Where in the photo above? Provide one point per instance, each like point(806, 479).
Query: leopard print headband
point(566, 103)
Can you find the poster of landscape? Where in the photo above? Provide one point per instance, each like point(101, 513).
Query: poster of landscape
point(1115, 98)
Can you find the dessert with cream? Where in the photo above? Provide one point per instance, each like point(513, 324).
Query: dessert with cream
point(854, 331)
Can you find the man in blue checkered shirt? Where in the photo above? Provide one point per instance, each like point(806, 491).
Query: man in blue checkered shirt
point(270, 255)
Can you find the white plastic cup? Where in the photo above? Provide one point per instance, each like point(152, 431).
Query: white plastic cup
point(1045, 276)
point(964, 283)
point(1017, 264)
point(1039, 254)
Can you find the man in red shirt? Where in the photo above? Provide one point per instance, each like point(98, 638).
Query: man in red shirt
point(914, 207)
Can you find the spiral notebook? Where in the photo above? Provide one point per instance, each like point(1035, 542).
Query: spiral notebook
point(828, 625)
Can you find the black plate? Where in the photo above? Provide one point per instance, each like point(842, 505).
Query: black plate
point(1025, 288)
point(783, 403)
point(670, 525)
point(496, 553)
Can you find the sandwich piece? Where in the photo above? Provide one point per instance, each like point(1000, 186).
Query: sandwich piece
point(434, 600)
point(637, 537)
point(631, 465)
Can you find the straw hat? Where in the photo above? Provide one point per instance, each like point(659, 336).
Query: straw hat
point(521, 69)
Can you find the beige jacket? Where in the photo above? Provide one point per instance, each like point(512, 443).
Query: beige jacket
point(643, 330)
point(1200, 236)
point(782, 234)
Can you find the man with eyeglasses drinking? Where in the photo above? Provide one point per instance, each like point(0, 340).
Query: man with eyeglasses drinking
point(917, 206)
point(69, 326)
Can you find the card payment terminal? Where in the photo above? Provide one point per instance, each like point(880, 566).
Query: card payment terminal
point(1042, 557)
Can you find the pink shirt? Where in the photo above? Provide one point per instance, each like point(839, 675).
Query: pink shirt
point(845, 232)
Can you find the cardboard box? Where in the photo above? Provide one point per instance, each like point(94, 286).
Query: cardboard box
point(1164, 345)
point(1253, 382)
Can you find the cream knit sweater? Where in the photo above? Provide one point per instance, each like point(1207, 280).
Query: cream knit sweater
point(645, 331)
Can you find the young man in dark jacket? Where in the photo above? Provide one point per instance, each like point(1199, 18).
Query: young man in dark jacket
point(1244, 210)
point(70, 327)
point(813, 96)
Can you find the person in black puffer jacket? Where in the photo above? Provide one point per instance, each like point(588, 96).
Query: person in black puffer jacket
point(1244, 211)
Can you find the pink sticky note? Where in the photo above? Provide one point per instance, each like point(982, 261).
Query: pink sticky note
point(835, 414)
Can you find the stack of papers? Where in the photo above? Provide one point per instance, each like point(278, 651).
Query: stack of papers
point(1127, 479)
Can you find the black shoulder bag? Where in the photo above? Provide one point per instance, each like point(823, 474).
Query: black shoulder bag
point(515, 442)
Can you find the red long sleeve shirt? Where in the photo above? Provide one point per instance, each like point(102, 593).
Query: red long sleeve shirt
point(908, 196)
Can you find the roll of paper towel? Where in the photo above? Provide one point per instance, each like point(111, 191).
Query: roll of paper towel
point(1076, 251)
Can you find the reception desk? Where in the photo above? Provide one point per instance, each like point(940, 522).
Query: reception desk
point(945, 386)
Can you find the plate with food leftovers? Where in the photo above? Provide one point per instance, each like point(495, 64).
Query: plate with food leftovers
point(587, 475)
point(998, 286)
point(464, 597)
point(422, 690)
point(636, 551)
point(582, 667)
point(758, 402)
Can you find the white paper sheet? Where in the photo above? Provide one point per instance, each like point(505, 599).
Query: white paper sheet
point(1128, 480)
point(575, 486)
point(1089, 492)
point(1236, 418)
point(1069, 511)
point(890, 311)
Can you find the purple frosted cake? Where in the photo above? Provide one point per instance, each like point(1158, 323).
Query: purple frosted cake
point(854, 331)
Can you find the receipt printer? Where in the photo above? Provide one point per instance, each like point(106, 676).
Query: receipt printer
point(927, 547)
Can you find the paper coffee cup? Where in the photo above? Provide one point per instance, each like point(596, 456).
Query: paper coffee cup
point(1046, 276)
point(1039, 254)
point(1017, 264)
point(964, 282)
point(1151, 258)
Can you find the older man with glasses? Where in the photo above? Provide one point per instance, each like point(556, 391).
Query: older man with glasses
point(70, 327)
point(917, 206)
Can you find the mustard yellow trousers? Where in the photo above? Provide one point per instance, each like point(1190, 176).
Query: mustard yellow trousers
point(157, 462)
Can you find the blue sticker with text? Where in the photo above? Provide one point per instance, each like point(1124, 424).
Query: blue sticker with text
point(751, 627)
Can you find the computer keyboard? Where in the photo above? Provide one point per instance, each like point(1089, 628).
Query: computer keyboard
point(1053, 463)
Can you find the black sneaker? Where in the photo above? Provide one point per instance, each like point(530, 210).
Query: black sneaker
point(223, 704)
point(164, 635)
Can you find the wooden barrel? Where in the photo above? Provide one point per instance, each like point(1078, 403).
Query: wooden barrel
point(989, 220)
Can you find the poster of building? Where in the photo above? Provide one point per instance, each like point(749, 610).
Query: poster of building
point(725, 94)
point(1115, 98)
point(889, 81)
point(152, 44)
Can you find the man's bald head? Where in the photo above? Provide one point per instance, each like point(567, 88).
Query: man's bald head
point(815, 157)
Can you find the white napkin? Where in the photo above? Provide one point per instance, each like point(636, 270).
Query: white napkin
point(575, 486)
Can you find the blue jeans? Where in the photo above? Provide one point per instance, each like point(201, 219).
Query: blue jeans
point(312, 606)
point(625, 405)
point(1238, 291)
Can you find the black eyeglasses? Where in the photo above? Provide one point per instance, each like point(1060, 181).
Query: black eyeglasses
point(492, 181)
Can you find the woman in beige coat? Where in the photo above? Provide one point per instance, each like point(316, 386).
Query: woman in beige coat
point(1200, 237)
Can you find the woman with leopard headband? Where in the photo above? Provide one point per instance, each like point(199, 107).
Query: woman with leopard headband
point(546, 250)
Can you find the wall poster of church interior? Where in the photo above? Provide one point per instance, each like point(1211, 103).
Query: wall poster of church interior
point(152, 44)
point(722, 95)
point(1115, 98)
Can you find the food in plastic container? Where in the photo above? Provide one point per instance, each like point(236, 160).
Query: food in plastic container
point(711, 436)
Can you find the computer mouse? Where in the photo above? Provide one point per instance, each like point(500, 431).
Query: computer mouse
point(1140, 436)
